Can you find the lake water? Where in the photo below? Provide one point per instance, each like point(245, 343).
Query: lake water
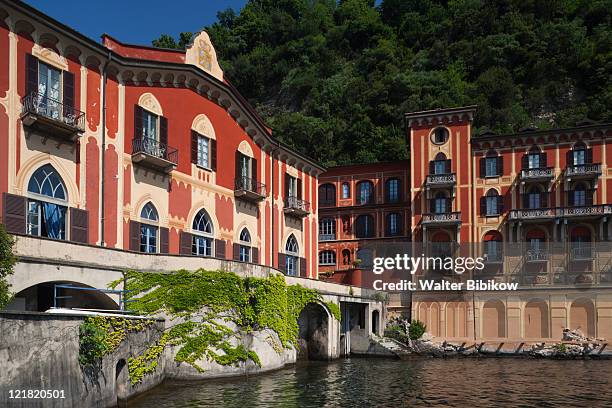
point(361, 382)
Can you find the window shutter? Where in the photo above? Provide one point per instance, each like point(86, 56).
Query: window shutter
point(432, 205)
point(483, 167)
point(79, 223)
point(400, 225)
point(236, 251)
point(500, 204)
point(589, 197)
point(134, 236)
point(525, 201)
point(388, 225)
point(500, 165)
point(185, 244)
point(68, 93)
point(432, 167)
point(255, 255)
point(525, 162)
point(281, 263)
point(31, 75)
point(570, 198)
point(213, 154)
point(254, 172)
point(219, 248)
point(544, 200)
point(299, 189)
point(447, 166)
point(14, 213)
point(448, 205)
point(483, 206)
point(543, 162)
point(137, 122)
point(163, 132)
point(569, 155)
point(163, 240)
point(287, 181)
point(194, 147)
point(589, 156)
point(237, 168)
point(303, 271)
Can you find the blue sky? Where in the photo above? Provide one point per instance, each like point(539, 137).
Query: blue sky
point(135, 22)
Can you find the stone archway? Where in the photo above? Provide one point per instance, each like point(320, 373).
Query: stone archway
point(582, 316)
point(314, 333)
point(535, 319)
point(493, 319)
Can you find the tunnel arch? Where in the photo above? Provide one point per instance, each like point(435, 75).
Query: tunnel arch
point(314, 335)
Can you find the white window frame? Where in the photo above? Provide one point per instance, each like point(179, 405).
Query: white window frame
point(203, 159)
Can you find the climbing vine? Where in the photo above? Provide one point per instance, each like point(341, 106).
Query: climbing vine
point(204, 302)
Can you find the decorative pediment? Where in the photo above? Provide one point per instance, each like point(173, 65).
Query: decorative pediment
point(201, 53)
point(203, 126)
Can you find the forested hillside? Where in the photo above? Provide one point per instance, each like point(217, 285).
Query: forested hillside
point(334, 78)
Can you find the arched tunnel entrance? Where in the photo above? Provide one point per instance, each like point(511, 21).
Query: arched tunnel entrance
point(313, 324)
point(39, 298)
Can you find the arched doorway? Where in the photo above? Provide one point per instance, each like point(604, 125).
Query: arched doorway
point(493, 319)
point(455, 320)
point(582, 316)
point(434, 319)
point(39, 298)
point(375, 322)
point(313, 338)
point(536, 319)
point(121, 382)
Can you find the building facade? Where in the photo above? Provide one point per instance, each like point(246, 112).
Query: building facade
point(143, 149)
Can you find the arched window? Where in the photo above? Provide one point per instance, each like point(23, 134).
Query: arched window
point(149, 227)
point(327, 195)
point(327, 229)
point(47, 204)
point(364, 226)
point(394, 225)
point(346, 257)
point(202, 229)
point(346, 190)
point(393, 190)
point(492, 203)
point(439, 135)
point(580, 196)
point(493, 242)
point(491, 165)
point(579, 155)
point(327, 258)
point(244, 248)
point(439, 165)
point(292, 252)
point(365, 189)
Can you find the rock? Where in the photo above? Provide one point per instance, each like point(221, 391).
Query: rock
point(426, 337)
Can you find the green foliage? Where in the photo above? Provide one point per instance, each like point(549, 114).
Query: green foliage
point(334, 78)
point(250, 303)
point(334, 309)
point(101, 335)
point(417, 329)
point(560, 348)
point(7, 262)
point(397, 332)
point(167, 41)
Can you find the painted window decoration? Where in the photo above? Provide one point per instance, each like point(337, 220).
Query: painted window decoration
point(245, 246)
point(203, 151)
point(47, 204)
point(49, 90)
point(148, 228)
point(202, 230)
point(292, 263)
point(327, 258)
point(440, 135)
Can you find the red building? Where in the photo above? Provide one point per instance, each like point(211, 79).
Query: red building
point(144, 149)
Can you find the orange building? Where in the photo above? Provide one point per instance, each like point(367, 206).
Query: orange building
point(143, 149)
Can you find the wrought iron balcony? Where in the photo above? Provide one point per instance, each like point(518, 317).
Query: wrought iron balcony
point(526, 214)
point(442, 218)
point(582, 171)
point(151, 153)
point(584, 253)
point(537, 255)
point(441, 180)
point(539, 174)
point(494, 256)
point(296, 207)
point(249, 189)
point(327, 237)
point(585, 211)
point(50, 115)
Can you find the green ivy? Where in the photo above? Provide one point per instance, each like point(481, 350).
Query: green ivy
point(250, 303)
point(7, 263)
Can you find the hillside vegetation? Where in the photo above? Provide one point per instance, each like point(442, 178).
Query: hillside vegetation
point(334, 78)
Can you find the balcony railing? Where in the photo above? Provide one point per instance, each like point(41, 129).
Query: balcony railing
point(152, 153)
point(327, 237)
point(494, 256)
point(532, 213)
point(249, 189)
point(442, 218)
point(52, 115)
point(584, 253)
point(441, 179)
point(583, 170)
point(537, 174)
point(537, 255)
point(297, 207)
point(587, 210)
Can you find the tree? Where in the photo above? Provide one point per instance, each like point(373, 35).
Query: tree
point(167, 41)
point(7, 262)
